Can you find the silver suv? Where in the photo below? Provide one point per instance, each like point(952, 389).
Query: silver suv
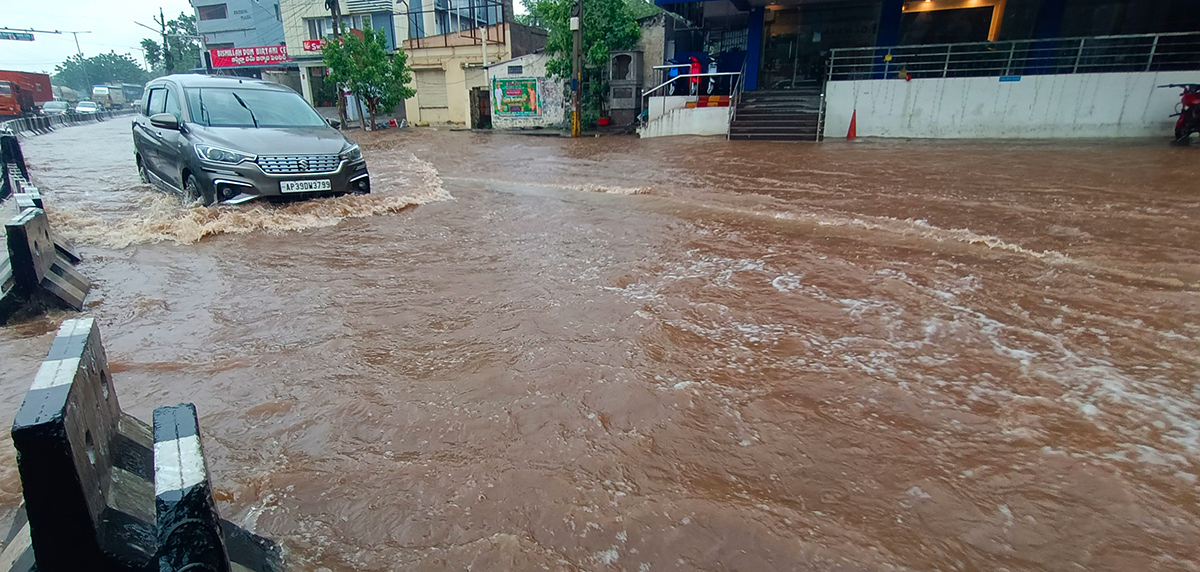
point(226, 139)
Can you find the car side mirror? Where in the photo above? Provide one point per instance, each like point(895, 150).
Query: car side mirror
point(334, 123)
point(165, 121)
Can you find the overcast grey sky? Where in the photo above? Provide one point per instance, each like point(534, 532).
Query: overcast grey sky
point(111, 24)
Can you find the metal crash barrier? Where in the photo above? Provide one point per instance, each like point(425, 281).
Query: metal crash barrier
point(38, 268)
point(104, 491)
point(39, 124)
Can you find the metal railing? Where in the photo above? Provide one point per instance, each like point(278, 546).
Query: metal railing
point(735, 97)
point(44, 123)
point(454, 23)
point(1096, 54)
point(647, 93)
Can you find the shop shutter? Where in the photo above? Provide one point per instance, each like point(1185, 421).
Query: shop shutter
point(431, 88)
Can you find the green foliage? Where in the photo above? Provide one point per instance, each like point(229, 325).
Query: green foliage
point(80, 73)
point(153, 53)
point(530, 17)
point(183, 53)
point(363, 67)
point(607, 25)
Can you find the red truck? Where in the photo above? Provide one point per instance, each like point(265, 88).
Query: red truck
point(21, 93)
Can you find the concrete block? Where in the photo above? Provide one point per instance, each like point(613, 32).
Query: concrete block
point(191, 534)
point(40, 273)
point(189, 529)
point(83, 463)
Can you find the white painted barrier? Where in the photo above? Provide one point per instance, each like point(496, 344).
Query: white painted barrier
point(668, 116)
point(1046, 106)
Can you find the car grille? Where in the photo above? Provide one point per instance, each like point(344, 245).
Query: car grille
point(297, 164)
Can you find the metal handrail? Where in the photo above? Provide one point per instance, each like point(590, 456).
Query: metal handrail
point(735, 97)
point(1094, 54)
point(646, 93)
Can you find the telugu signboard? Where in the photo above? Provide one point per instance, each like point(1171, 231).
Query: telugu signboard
point(255, 56)
point(19, 36)
point(515, 97)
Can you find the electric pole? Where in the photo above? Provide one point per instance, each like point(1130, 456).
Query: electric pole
point(335, 10)
point(168, 61)
point(577, 69)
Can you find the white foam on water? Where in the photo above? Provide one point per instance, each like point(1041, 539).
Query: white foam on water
point(402, 181)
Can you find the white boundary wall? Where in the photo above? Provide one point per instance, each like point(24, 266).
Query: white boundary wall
point(1046, 106)
point(696, 121)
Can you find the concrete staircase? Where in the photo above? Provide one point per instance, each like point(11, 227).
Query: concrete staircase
point(779, 115)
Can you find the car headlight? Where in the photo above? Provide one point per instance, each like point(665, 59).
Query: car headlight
point(219, 155)
point(351, 154)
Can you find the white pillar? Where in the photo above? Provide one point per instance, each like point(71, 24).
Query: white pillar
point(306, 84)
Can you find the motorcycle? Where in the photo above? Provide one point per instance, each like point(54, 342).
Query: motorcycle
point(1188, 112)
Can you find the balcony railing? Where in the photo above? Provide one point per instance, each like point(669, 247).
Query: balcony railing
point(1097, 54)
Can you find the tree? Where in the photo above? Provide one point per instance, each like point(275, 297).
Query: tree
point(530, 17)
point(184, 49)
point(153, 53)
point(362, 66)
point(81, 73)
point(607, 25)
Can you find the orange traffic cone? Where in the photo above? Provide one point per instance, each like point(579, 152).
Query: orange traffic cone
point(853, 132)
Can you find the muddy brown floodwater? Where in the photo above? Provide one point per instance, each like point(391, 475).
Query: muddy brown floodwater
point(528, 353)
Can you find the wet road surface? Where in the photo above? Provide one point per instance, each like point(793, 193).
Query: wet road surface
point(676, 354)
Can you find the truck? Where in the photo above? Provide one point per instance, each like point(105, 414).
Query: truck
point(116, 95)
point(109, 97)
point(22, 92)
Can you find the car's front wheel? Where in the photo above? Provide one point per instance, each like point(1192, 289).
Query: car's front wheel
point(192, 192)
point(142, 174)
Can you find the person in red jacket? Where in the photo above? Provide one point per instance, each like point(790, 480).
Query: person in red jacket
point(694, 70)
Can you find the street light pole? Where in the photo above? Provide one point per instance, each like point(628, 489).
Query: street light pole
point(79, 51)
point(577, 69)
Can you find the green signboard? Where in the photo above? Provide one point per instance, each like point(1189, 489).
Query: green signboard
point(517, 97)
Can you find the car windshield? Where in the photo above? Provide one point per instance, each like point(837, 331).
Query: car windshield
point(54, 105)
point(5, 89)
point(246, 107)
point(86, 104)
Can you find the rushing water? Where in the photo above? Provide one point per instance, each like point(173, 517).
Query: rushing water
point(679, 354)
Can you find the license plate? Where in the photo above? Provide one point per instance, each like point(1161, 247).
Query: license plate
point(305, 186)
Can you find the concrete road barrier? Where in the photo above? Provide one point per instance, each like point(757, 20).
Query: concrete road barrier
point(39, 269)
point(102, 491)
point(189, 530)
point(40, 275)
point(85, 466)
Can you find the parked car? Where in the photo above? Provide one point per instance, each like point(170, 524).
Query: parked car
point(87, 107)
point(56, 108)
point(227, 139)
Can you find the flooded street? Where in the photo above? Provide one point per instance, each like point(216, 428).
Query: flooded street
point(532, 353)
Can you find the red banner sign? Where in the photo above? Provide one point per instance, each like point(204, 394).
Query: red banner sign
point(313, 45)
point(258, 55)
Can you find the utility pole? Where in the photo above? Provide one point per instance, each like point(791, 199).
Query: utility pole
point(168, 61)
point(335, 10)
point(82, 63)
point(577, 70)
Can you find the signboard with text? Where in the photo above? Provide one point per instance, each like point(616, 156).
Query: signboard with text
point(254, 56)
point(19, 36)
point(313, 45)
point(515, 97)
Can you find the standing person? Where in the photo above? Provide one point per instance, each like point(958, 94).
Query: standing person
point(694, 70)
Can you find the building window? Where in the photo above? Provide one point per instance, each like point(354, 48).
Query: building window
point(224, 46)
point(321, 28)
point(212, 12)
point(516, 70)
